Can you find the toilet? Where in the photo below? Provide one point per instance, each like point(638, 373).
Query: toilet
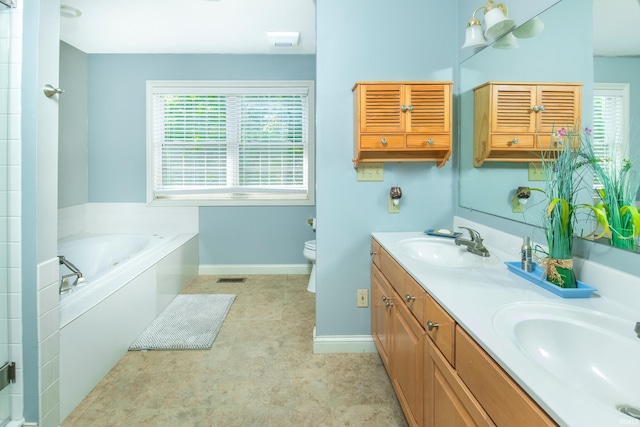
point(310, 254)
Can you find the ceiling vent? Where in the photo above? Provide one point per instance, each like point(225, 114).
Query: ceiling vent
point(283, 38)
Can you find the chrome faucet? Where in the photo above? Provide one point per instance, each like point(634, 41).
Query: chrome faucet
point(474, 245)
point(65, 286)
point(637, 329)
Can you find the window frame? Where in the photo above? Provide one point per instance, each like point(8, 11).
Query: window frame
point(225, 86)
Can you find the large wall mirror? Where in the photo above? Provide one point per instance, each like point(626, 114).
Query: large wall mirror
point(563, 52)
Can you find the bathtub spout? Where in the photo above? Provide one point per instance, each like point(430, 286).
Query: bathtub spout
point(75, 271)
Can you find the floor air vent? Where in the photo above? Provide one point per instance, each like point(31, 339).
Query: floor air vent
point(232, 280)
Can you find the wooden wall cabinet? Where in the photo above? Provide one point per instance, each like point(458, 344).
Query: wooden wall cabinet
point(440, 375)
point(515, 122)
point(402, 122)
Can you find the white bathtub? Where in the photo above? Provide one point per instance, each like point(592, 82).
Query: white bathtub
point(130, 280)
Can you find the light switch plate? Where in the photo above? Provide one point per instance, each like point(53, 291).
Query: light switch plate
point(370, 172)
point(536, 173)
point(363, 298)
point(393, 209)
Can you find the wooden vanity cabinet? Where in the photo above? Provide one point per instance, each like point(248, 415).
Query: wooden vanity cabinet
point(440, 375)
point(402, 122)
point(515, 122)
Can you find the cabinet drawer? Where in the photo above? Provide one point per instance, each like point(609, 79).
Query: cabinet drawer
point(394, 273)
point(414, 297)
point(442, 335)
point(375, 252)
point(524, 142)
point(505, 402)
point(377, 142)
point(424, 141)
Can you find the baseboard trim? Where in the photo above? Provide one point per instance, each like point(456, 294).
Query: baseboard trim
point(324, 344)
point(215, 269)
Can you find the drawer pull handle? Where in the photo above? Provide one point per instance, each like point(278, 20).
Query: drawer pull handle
point(383, 141)
point(431, 325)
point(409, 298)
point(430, 141)
point(514, 141)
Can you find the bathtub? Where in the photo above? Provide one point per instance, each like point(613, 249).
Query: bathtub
point(130, 279)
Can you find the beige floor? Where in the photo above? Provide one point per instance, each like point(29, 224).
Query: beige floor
point(260, 372)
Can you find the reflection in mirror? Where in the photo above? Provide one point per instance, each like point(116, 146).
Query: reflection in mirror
point(560, 53)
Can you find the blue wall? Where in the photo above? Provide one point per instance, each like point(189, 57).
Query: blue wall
point(117, 149)
point(371, 40)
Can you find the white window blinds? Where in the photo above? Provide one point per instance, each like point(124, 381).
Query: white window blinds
point(246, 141)
point(610, 134)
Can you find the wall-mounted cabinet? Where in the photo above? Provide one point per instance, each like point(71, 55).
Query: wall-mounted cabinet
point(515, 122)
point(402, 122)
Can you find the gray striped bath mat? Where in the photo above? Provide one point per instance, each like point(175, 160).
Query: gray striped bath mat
point(190, 322)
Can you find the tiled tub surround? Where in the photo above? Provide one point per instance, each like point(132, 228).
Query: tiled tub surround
point(473, 296)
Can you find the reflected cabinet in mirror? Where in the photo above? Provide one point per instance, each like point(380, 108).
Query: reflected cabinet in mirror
point(562, 52)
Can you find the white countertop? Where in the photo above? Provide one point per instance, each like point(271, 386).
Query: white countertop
point(473, 295)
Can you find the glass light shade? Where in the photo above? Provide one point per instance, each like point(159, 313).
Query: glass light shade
point(531, 28)
point(507, 42)
point(497, 23)
point(473, 37)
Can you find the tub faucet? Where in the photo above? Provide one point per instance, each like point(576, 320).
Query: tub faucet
point(65, 286)
point(474, 245)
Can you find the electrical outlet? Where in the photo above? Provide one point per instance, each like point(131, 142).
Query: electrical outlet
point(363, 298)
point(536, 173)
point(516, 206)
point(370, 172)
point(393, 209)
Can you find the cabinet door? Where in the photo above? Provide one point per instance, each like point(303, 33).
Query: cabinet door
point(512, 108)
point(430, 108)
point(562, 106)
point(407, 358)
point(380, 108)
point(448, 402)
point(381, 310)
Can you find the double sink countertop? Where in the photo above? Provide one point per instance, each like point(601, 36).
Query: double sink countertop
point(488, 300)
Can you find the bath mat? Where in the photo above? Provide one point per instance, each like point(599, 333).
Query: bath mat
point(190, 322)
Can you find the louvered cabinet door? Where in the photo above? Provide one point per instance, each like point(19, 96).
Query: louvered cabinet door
point(430, 108)
point(561, 108)
point(381, 109)
point(512, 109)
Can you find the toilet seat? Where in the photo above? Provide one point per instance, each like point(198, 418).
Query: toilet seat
point(310, 244)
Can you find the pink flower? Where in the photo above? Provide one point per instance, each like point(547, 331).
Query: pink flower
point(561, 132)
point(588, 131)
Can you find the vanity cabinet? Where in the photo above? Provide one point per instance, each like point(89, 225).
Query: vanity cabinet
point(441, 376)
point(515, 122)
point(402, 122)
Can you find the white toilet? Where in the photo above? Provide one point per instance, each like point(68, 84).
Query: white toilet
point(310, 254)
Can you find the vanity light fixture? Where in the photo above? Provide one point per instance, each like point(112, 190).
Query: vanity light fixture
point(496, 22)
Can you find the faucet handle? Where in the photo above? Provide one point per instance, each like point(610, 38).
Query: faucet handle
point(475, 236)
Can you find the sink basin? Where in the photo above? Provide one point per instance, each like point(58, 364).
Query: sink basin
point(444, 253)
point(595, 353)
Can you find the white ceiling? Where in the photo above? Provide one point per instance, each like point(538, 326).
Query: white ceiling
point(240, 26)
point(188, 26)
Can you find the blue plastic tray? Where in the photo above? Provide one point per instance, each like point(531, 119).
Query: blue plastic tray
point(432, 232)
point(536, 277)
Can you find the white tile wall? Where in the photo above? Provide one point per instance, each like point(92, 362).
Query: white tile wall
point(10, 116)
point(48, 342)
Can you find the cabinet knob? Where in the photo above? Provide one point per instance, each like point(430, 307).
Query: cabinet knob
point(430, 141)
point(409, 298)
point(410, 108)
point(372, 252)
point(384, 298)
point(389, 304)
point(514, 141)
point(431, 325)
point(383, 141)
point(538, 108)
point(406, 108)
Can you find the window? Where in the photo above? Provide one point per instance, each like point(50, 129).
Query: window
point(610, 136)
point(230, 143)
